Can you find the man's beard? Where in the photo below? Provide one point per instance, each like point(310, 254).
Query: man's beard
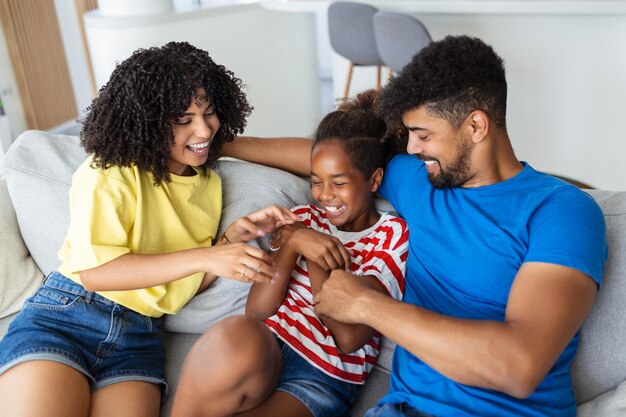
point(457, 173)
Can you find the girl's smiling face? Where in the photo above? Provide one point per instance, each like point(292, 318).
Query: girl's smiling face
point(193, 133)
point(342, 191)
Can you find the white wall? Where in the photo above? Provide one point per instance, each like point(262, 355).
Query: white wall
point(75, 52)
point(273, 53)
point(567, 88)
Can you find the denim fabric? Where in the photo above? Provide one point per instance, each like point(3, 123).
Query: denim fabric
point(322, 394)
point(105, 341)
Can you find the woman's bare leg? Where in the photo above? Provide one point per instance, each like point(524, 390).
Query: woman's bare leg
point(127, 399)
point(44, 388)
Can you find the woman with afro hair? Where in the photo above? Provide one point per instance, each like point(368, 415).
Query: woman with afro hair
point(145, 208)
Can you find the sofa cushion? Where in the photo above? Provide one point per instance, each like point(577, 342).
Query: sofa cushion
point(38, 168)
point(600, 363)
point(612, 403)
point(19, 275)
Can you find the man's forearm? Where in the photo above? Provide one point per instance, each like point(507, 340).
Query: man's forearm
point(289, 154)
point(484, 354)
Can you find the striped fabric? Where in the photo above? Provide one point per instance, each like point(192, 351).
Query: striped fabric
point(379, 251)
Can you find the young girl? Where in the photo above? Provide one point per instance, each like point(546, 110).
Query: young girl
point(297, 363)
point(144, 209)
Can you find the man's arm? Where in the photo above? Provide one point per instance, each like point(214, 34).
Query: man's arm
point(546, 306)
point(289, 154)
point(349, 337)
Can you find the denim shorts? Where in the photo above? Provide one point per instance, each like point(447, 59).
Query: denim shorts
point(105, 341)
point(395, 410)
point(322, 394)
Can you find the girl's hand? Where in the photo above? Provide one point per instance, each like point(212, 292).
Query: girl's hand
point(241, 262)
point(259, 223)
point(281, 235)
point(325, 250)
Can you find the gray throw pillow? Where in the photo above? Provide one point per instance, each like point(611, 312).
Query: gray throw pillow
point(38, 168)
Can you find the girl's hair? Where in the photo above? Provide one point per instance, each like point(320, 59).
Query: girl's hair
point(130, 121)
point(360, 131)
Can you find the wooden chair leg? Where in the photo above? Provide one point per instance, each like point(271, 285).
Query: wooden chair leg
point(379, 71)
point(349, 79)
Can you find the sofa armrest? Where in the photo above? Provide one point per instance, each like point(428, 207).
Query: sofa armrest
point(19, 275)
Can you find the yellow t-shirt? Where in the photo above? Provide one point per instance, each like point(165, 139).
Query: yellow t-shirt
point(119, 210)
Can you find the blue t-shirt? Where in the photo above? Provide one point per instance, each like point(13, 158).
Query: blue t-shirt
point(466, 246)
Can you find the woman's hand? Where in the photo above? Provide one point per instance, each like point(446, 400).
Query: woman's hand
point(325, 250)
point(259, 223)
point(241, 262)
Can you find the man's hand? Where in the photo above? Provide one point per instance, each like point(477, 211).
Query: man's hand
point(340, 297)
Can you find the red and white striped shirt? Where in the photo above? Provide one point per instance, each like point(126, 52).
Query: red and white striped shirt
point(379, 251)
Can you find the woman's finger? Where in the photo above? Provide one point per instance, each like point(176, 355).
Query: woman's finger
point(258, 272)
point(251, 275)
point(281, 213)
point(262, 215)
point(259, 258)
point(250, 227)
point(259, 276)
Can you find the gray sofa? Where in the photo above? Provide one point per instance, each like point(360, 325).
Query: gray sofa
point(35, 176)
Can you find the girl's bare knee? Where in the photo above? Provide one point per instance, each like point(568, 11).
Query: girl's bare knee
point(230, 349)
point(235, 361)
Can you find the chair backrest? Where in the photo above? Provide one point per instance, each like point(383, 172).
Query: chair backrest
point(398, 38)
point(351, 32)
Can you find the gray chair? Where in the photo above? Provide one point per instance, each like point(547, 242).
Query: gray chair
point(398, 38)
point(351, 33)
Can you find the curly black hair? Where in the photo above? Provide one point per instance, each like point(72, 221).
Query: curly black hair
point(359, 130)
point(130, 120)
point(451, 77)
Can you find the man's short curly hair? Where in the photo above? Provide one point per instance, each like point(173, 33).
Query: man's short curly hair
point(130, 120)
point(452, 78)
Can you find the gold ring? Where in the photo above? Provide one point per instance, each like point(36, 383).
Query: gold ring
point(243, 271)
